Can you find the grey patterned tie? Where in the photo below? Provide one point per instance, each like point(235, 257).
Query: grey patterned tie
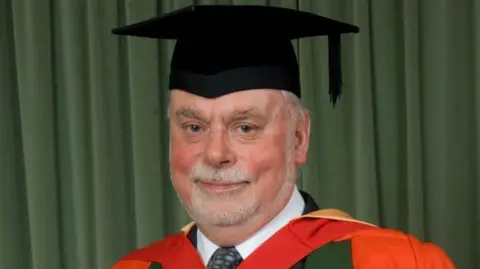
point(225, 258)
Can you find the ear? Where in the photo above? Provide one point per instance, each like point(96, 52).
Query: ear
point(302, 137)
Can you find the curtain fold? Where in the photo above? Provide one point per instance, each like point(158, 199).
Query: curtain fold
point(84, 171)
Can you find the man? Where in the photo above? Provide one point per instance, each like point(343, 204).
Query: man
point(238, 133)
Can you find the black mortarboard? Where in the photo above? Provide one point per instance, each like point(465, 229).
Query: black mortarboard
point(222, 49)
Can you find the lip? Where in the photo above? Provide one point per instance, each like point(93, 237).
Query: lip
point(220, 187)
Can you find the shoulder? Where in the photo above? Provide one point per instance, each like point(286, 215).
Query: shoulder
point(143, 258)
point(326, 225)
point(371, 246)
point(381, 247)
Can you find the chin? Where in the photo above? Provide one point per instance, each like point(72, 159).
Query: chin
point(222, 213)
point(227, 219)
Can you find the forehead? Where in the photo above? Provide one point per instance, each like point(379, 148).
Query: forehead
point(261, 99)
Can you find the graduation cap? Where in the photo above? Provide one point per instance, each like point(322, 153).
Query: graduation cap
point(221, 49)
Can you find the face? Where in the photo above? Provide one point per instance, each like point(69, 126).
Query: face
point(234, 157)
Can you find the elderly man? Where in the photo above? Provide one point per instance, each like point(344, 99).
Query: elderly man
point(238, 133)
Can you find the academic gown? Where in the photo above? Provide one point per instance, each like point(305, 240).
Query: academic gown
point(325, 238)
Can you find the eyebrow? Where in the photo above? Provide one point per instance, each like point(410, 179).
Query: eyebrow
point(188, 113)
point(241, 114)
point(246, 113)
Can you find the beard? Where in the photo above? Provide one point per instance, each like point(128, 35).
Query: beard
point(239, 205)
point(226, 208)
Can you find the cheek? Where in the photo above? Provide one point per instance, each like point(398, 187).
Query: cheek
point(182, 159)
point(267, 163)
point(267, 158)
point(183, 155)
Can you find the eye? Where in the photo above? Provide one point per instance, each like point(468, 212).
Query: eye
point(193, 128)
point(246, 128)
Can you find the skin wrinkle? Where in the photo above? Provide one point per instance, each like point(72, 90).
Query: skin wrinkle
point(194, 158)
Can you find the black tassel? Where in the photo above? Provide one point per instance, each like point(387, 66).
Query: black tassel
point(335, 68)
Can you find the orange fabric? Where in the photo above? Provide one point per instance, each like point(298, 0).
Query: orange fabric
point(391, 249)
point(372, 247)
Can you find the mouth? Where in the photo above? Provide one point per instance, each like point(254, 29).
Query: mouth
point(217, 187)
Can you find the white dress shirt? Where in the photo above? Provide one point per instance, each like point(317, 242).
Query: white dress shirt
point(293, 209)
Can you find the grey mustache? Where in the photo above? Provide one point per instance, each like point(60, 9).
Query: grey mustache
point(207, 174)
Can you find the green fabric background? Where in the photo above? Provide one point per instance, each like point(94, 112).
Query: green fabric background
point(84, 137)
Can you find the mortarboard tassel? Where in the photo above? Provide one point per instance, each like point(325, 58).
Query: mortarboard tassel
point(335, 68)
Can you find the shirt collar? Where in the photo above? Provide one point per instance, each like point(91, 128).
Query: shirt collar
point(293, 209)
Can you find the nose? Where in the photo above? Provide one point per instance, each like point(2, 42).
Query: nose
point(218, 152)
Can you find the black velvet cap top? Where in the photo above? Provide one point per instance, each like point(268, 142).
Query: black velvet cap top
point(221, 49)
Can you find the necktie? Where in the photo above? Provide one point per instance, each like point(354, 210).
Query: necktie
point(225, 258)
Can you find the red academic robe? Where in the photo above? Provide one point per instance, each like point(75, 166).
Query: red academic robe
point(371, 247)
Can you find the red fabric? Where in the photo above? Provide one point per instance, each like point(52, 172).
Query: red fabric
point(131, 264)
point(297, 240)
point(175, 251)
point(288, 246)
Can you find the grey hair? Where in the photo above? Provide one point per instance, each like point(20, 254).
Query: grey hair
point(295, 107)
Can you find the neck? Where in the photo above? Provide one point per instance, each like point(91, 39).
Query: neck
point(236, 234)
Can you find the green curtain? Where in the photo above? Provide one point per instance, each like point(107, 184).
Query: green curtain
point(84, 141)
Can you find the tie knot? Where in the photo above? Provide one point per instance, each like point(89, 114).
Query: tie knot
point(225, 258)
